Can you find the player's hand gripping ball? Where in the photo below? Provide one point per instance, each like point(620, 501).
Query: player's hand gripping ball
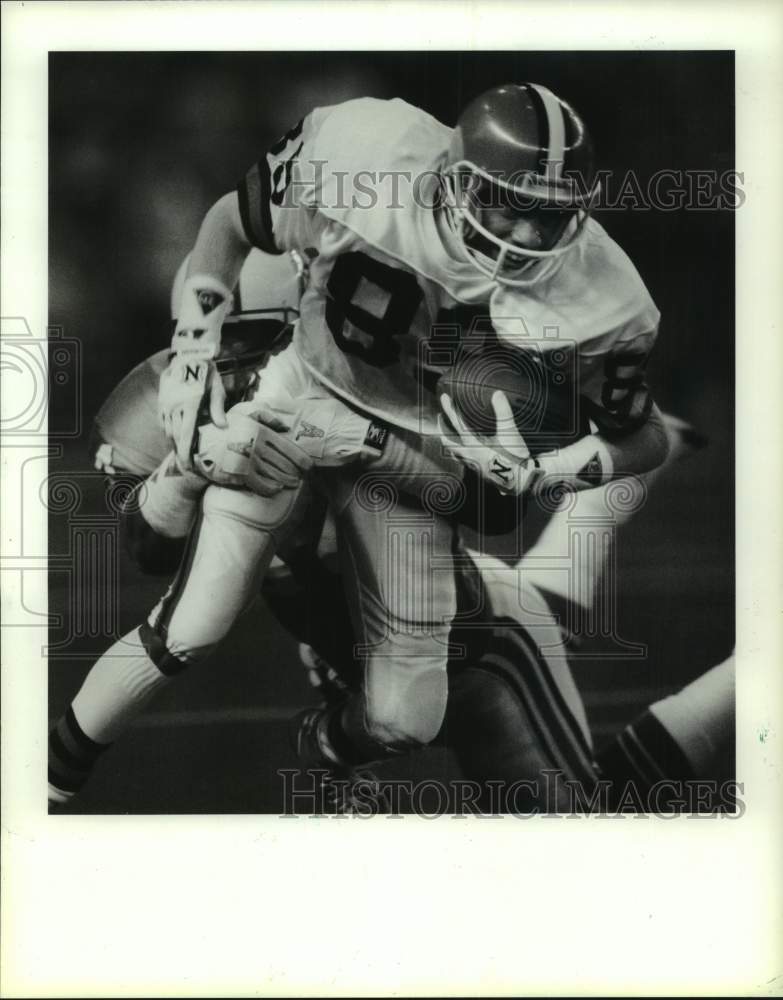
point(502, 458)
point(544, 404)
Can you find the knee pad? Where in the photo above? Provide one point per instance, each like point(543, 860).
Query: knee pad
point(407, 712)
point(175, 638)
point(225, 558)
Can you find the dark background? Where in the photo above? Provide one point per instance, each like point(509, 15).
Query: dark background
point(140, 146)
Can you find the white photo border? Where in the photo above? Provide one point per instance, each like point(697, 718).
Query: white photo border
point(260, 906)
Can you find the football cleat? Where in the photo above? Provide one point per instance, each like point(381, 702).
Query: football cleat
point(346, 789)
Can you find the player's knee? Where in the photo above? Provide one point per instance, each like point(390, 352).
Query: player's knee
point(158, 647)
point(411, 718)
point(402, 731)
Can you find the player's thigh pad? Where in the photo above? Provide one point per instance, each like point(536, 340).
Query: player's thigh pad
point(398, 569)
point(227, 553)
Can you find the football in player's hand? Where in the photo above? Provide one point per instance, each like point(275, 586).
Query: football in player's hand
point(543, 398)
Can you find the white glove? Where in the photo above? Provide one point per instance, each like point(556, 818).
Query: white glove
point(254, 451)
point(191, 382)
point(270, 445)
point(187, 388)
point(503, 459)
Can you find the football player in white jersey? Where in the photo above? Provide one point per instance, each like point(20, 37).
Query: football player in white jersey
point(493, 216)
point(513, 711)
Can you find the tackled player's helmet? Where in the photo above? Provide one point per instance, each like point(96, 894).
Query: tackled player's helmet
point(521, 146)
point(265, 303)
point(128, 435)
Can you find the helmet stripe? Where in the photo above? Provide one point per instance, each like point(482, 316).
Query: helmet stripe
point(542, 124)
point(553, 163)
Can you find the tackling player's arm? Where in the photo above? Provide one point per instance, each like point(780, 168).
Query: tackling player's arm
point(191, 379)
point(221, 245)
point(267, 211)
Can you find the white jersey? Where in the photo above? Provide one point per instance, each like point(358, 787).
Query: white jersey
point(391, 296)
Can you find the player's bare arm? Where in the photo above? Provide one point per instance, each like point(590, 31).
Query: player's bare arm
point(221, 245)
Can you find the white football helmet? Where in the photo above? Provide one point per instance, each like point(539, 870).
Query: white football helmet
point(270, 286)
point(265, 304)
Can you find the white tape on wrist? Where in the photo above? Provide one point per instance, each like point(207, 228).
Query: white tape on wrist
point(583, 465)
point(205, 304)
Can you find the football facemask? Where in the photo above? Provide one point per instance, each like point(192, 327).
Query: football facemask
point(522, 152)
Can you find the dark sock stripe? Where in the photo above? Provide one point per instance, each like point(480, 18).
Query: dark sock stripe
point(75, 747)
point(64, 734)
point(80, 738)
point(65, 782)
point(75, 775)
point(60, 752)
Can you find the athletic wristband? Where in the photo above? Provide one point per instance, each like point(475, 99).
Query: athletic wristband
point(375, 438)
point(583, 465)
point(205, 304)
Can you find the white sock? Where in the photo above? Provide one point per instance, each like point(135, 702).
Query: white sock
point(58, 796)
point(700, 718)
point(116, 689)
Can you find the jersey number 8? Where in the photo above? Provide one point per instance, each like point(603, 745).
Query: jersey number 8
point(399, 295)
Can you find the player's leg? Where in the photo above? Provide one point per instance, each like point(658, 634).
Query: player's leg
point(228, 549)
point(304, 591)
point(515, 719)
point(158, 515)
point(396, 566)
point(686, 737)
